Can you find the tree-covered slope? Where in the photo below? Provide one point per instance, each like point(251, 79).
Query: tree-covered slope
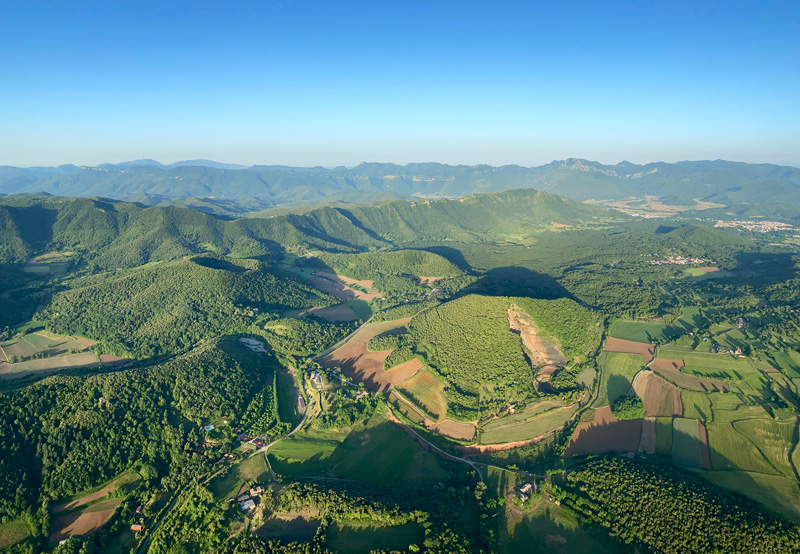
point(169, 307)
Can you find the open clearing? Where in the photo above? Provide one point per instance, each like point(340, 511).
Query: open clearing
point(426, 391)
point(121, 481)
point(41, 341)
point(362, 539)
point(401, 372)
point(13, 531)
point(85, 521)
point(605, 434)
point(648, 351)
point(542, 352)
point(361, 364)
point(342, 288)
point(686, 442)
point(533, 428)
point(340, 312)
point(460, 430)
point(660, 397)
point(288, 527)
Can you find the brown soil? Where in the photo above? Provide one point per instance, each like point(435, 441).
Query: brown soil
point(542, 353)
point(84, 342)
point(769, 370)
point(83, 522)
point(709, 269)
point(83, 500)
point(366, 283)
point(705, 452)
point(605, 434)
point(361, 364)
point(660, 397)
point(111, 359)
point(664, 363)
point(340, 312)
point(647, 443)
point(477, 449)
point(427, 281)
point(401, 372)
point(691, 382)
point(631, 347)
point(460, 430)
point(5, 368)
point(3, 356)
point(337, 285)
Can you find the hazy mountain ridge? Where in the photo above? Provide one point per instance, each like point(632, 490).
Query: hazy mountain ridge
point(262, 187)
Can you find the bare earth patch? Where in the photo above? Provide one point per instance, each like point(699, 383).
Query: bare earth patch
point(709, 269)
point(84, 342)
point(361, 364)
point(112, 359)
point(542, 353)
point(401, 372)
point(631, 347)
point(605, 434)
point(83, 522)
point(427, 281)
point(461, 430)
point(338, 286)
point(84, 499)
point(5, 368)
point(660, 397)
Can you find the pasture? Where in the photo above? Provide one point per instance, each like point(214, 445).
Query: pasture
point(289, 527)
point(532, 428)
point(775, 493)
point(686, 442)
point(13, 531)
point(663, 436)
point(40, 342)
point(362, 539)
point(82, 359)
point(617, 376)
point(426, 391)
point(787, 363)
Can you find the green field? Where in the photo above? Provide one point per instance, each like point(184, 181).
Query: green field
point(664, 436)
point(287, 397)
point(786, 363)
point(618, 370)
point(500, 481)
point(777, 494)
point(553, 529)
point(426, 392)
point(774, 439)
point(732, 450)
point(253, 469)
point(378, 452)
point(288, 528)
point(362, 539)
point(536, 427)
point(34, 343)
point(82, 359)
point(360, 307)
point(650, 332)
point(696, 405)
point(13, 531)
point(686, 442)
point(521, 415)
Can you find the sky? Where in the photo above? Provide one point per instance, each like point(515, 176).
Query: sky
point(338, 83)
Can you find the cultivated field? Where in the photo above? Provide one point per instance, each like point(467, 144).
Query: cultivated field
point(605, 434)
point(426, 391)
point(361, 364)
point(401, 372)
point(341, 287)
point(705, 452)
point(618, 373)
point(460, 430)
point(364, 538)
point(83, 522)
point(663, 436)
point(647, 443)
point(686, 442)
point(687, 381)
point(775, 493)
point(631, 347)
point(660, 397)
point(82, 359)
point(340, 312)
point(41, 342)
point(530, 429)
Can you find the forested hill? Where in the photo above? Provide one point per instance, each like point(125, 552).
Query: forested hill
point(210, 186)
point(113, 234)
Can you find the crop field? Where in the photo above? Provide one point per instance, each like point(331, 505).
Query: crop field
point(13, 531)
point(343, 287)
point(721, 362)
point(253, 470)
point(786, 363)
point(401, 372)
point(530, 429)
point(521, 415)
point(426, 391)
point(605, 434)
point(696, 405)
point(127, 480)
point(776, 493)
point(631, 347)
point(660, 397)
point(705, 451)
point(377, 452)
point(663, 436)
point(647, 443)
point(84, 521)
point(460, 430)
point(82, 359)
point(361, 364)
point(34, 343)
point(617, 376)
point(362, 539)
point(690, 382)
point(686, 442)
point(644, 331)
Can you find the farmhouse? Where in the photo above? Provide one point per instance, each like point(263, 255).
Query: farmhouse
point(136, 527)
point(525, 492)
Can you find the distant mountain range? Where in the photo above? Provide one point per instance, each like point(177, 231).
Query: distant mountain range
point(233, 190)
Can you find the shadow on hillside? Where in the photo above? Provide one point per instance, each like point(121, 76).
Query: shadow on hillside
point(519, 281)
point(35, 223)
point(453, 255)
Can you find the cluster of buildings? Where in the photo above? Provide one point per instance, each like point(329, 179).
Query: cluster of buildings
point(248, 500)
point(756, 226)
point(678, 260)
point(138, 526)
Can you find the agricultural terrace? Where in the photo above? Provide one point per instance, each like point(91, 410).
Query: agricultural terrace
point(358, 362)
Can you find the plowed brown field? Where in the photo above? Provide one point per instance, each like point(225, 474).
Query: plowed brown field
point(631, 347)
point(84, 522)
point(361, 364)
point(689, 382)
point(605, 434)
point(401, 372)
point(660, 397)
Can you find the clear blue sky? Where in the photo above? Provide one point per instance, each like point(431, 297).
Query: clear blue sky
point(328, 83)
